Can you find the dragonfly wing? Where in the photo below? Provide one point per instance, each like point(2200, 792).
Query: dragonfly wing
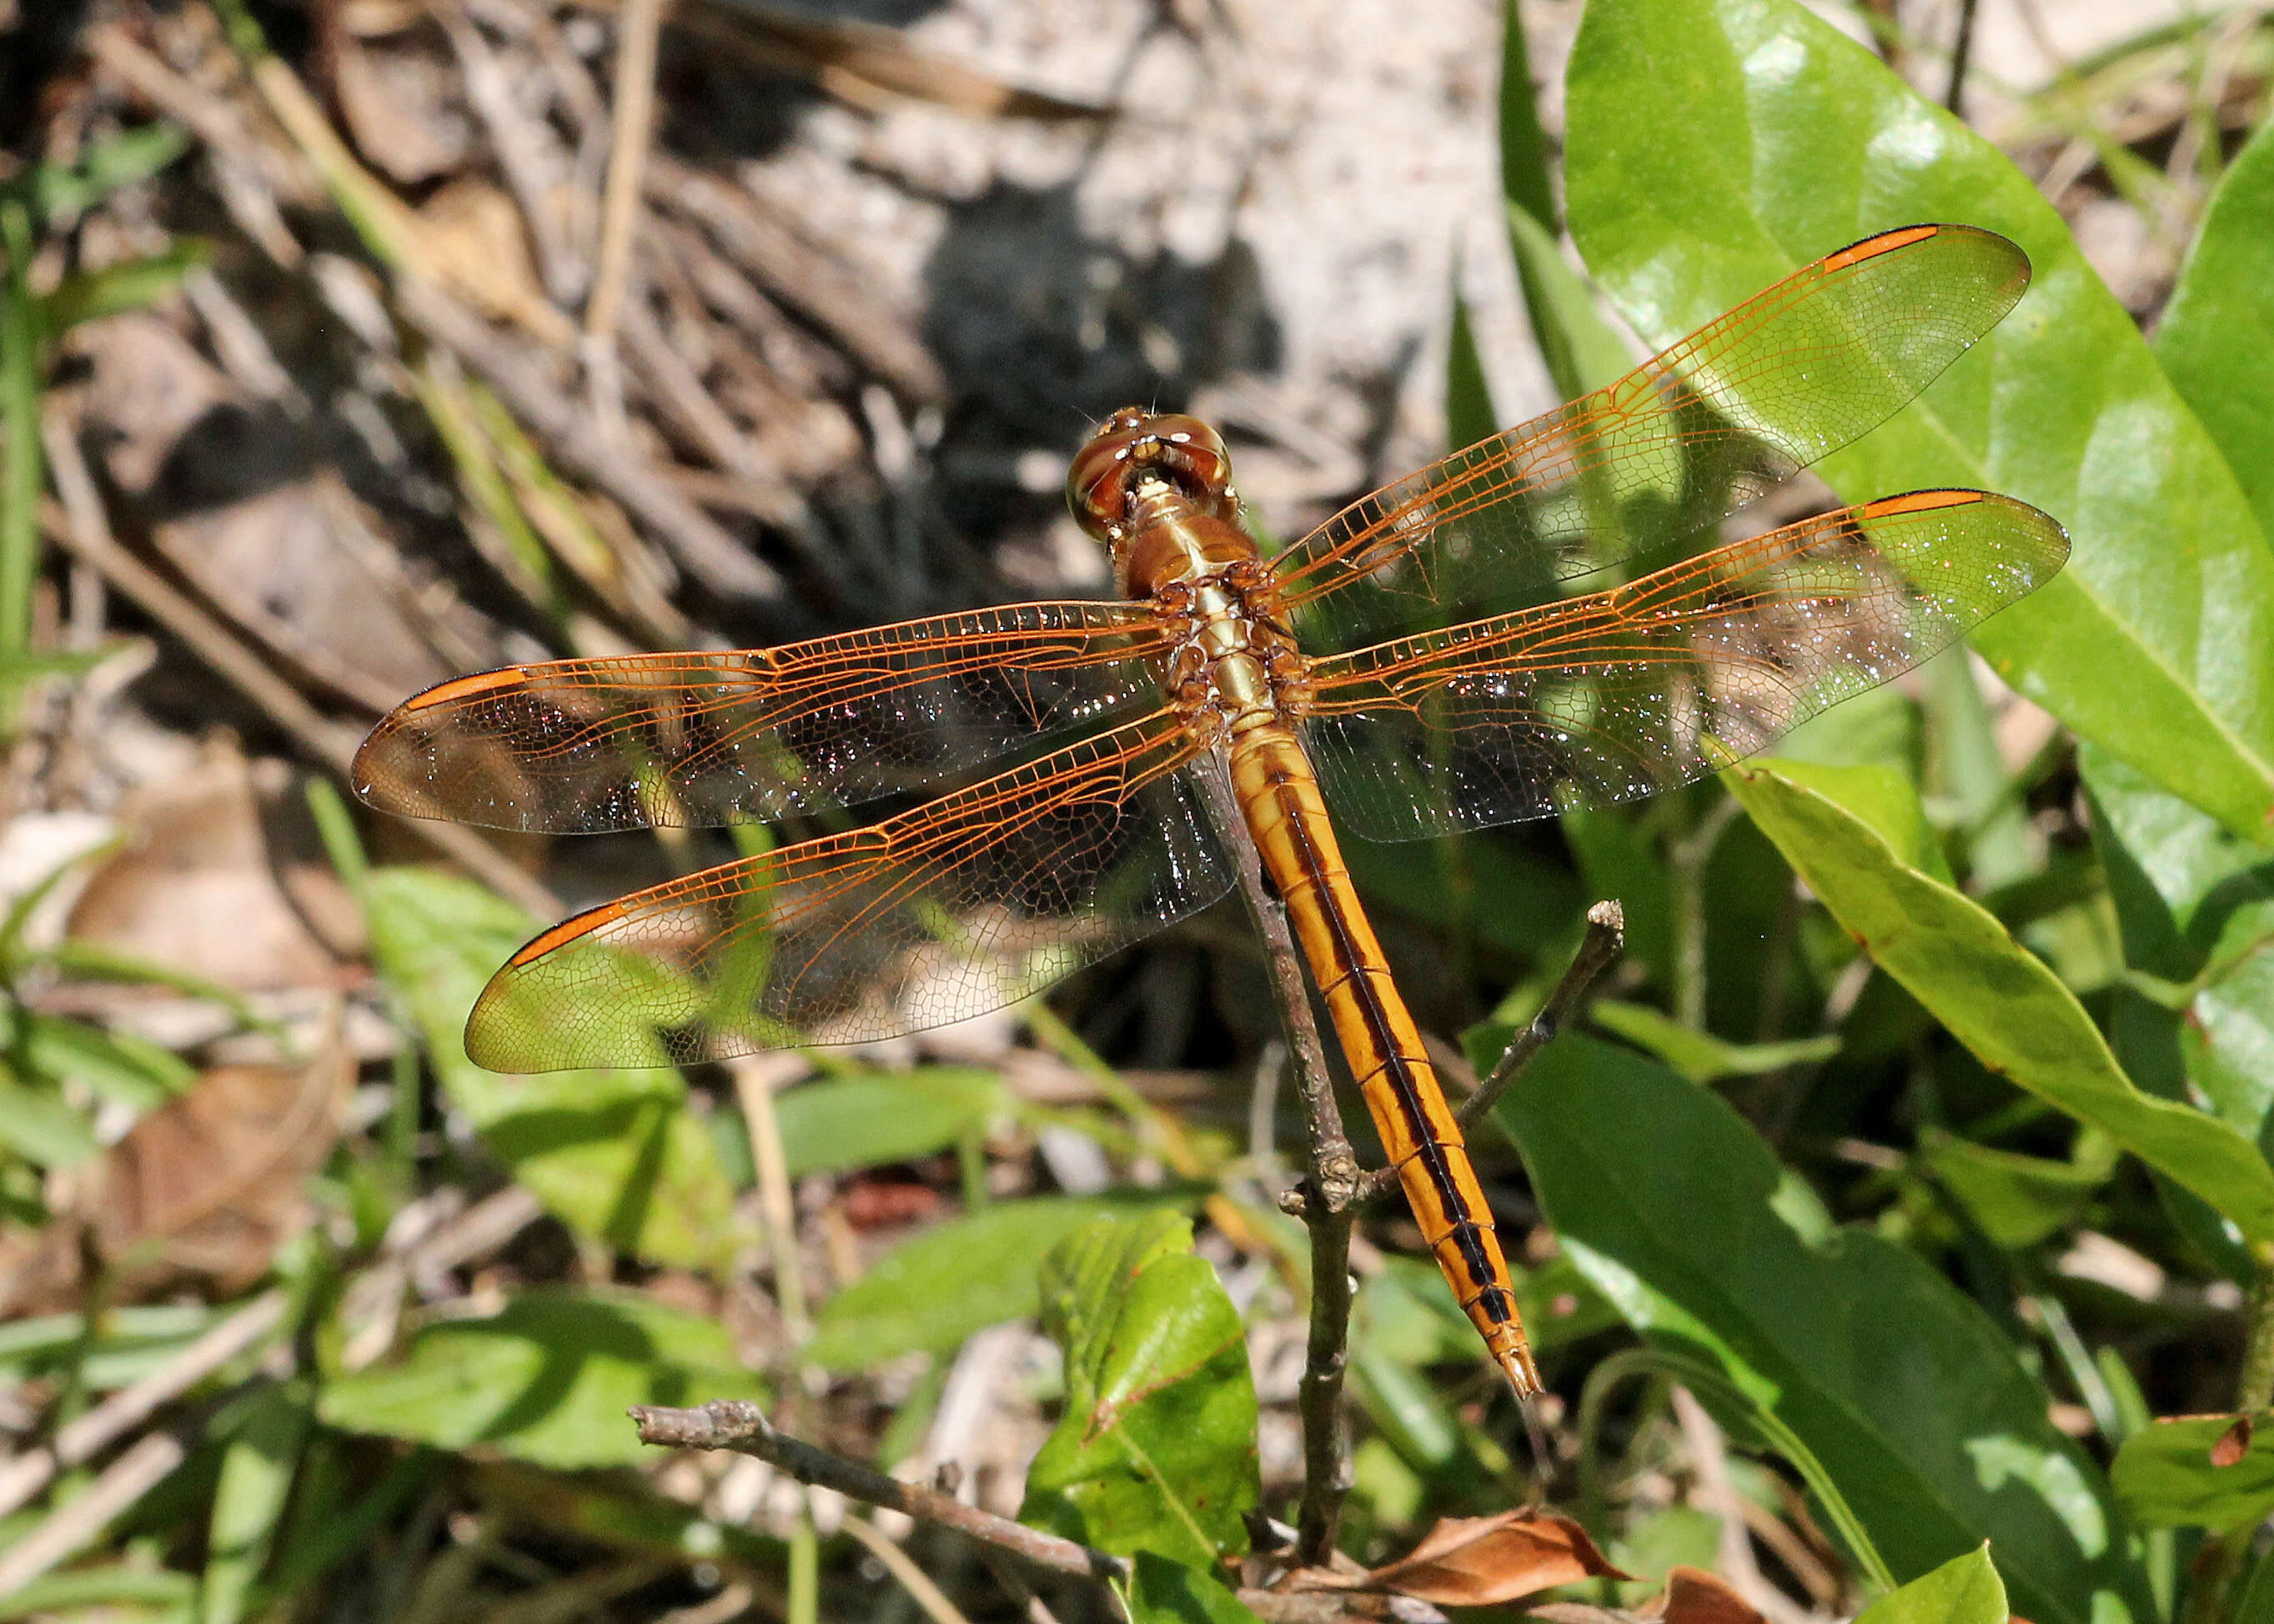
point(969, 903)
point(700, 740)
point(1692, 434)
point(1623, 693)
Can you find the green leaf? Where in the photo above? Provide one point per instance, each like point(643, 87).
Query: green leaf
point(2218, 327)
point(265, 1440)
point(1965, 1590)
point(1523, 162)
point(1700, 1055)
point(1717, 145)
point(37, 1125)
point(867, 1121)
point(117, 1065)
point(1163, 1591)
point(613, 1153)
point(929, 1293)
point(546, 1380)
point(105, 165)
point(1156, 1449)
point(2016, 1201)
point(1995, 997)
point(1905, 1393)
point(124, 285)
point(2164, 1475)
point(2195, 909)
point(1580, 349)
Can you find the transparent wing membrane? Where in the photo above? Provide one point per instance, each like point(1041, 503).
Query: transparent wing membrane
point(971, 902)
point(700, 740)
point(1623, 693)
point(1690, 436)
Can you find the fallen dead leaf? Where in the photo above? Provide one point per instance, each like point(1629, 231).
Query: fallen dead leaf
point(204, 1189)
point(222, 874)
point(397, 102)
point(1693, 1596)
point(231, 495)
point(1478, 1562)
point(2232, 1444)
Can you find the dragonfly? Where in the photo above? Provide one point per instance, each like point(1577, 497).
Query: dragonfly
point(1546, 620)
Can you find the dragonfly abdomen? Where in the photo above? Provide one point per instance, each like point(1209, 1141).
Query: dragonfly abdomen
point(1278, 794)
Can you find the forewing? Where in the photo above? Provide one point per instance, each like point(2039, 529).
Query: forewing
point(969, 903)
point(579, 746)
point(1621, 694)
point(1690, 435)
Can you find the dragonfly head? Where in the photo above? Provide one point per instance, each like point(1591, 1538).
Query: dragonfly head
point(1134, 448)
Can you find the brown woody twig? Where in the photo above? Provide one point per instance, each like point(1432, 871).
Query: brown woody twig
point(741, 1426)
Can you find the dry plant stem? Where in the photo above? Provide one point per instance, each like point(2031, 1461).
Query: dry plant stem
point(1327, 1204)
point(1709, 1455)
point(754, 1091)
point(637, 26)
point(148, 1463)
point(24, 1476)
point(701, 546)
point(740, 1425)
point(85, 533)
point(911, 1578)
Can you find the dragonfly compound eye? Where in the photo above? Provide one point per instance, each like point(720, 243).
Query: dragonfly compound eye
point(1183, 451)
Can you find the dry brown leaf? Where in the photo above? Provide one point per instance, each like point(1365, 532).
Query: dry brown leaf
point(223, 484)
point(1693, 1596)
point(204, 1189)
point(222, 874)
point(1480, 1561)
point(2232, 1444)
point(402, 107)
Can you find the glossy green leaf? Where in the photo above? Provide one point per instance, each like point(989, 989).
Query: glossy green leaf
point(1155, 1450)
point(929, 1293)
point(1904, 1391)
point(2216, 333)
point(1965, 1590)
point(613, 1154)
point(545, 1380)
point(866, 1121)
point(2165, 1475)
point(1995, 997)
point(1163, 1591)
point(1717, 145)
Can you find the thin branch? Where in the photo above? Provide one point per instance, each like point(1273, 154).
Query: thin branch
point(2211, 1583)
point(1607, 929)
point(1326, 1202)
point(1961, 52)
point(740, 1425)
point(1327, 1475)
point(1607, 933)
